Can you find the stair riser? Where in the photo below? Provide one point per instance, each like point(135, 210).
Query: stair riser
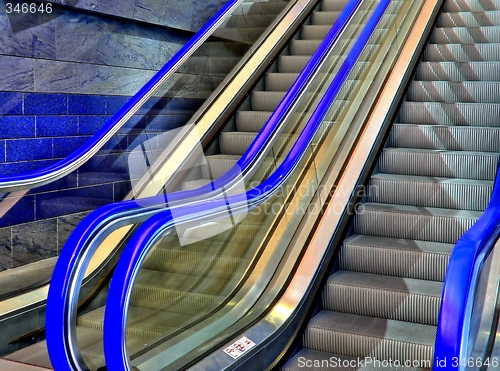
point(462, 53)
point(470, 5)
point(450, 71)
point(462, 35)
point(467, 19)
point(454, 92)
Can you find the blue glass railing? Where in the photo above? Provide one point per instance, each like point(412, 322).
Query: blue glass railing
point(153, 229)
point(91, 147)
point(460, 285)
point(80, 247)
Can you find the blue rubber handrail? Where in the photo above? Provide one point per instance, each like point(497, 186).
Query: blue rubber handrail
point(80, 246)
point(462, 277)
point(86, 151)
point(115, 323)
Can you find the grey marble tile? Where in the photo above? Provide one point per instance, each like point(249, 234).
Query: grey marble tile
point(5, 249)
point(34, 241)
point(93, 5)
point(122, 8)
point(204, 9)
point(186, 85)
point(18, 74)
point(55, 76)
point(38, 41)
point(128, 81)
point(76, 37)
point(150, 10)
point(65, 226)
point(95, 79)
point(178, 16)
point(207, 84)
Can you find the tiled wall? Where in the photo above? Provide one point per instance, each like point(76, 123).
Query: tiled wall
point(61, 79)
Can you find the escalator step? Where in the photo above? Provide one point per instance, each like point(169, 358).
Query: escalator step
point(395, 257)
point(438, 163)
point(470, 5)
point(324, 17)
point(465, 35)
point(333, 5)
point(454, 138)
point(458, 71)
point(251, 121)
point(469, 19)
point(461, 194)
point(460, 114)
point(413, 222)
point(280, 81)
point(462, 53)
point(454, 92)
point(402, 299)
point(266, 100)
point(355, 335)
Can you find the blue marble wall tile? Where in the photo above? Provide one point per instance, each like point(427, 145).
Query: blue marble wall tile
point(114, 163)
point(150, 10)
point(71, 201)
point(54, 126)
point(34, 241)
point(55, 76)
point(166, 122)
point(86, 105)
point(178, 15)
point(93, 5)
point(2, 150)
point(65, 146)
point(123, 8)
point(95, 79)
point(36, 41)
point(21, 211)
point(136, 122)
point(128, 81)
point(9, 168)
point(29, 149)
point(76, 37)
point(11, 103)
point(18, 74)
point(118, 143)
point(66, 225)
point(114, 103)
point(120, 190)
point(46, 104)
point(181, 106)
point(5, 248)
point(17, 127)
point(88, 125)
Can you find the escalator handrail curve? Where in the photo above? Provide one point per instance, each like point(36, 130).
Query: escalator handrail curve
point(78, 250)
point(462, 276)
point(115, 323)
point(65, 166)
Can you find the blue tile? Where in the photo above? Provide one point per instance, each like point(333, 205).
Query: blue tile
point(163, 123)
point(65, 146)
point(2, 150)
point(11, 103)
point(54, 126)
point(86, 105)
point(90, 124)
point(184, 105)
point(121, 189)
point(136, 122)
point(118, 143)
point(29, 149)
point(11, 168)
point(46, 104)
point(114, 163)
point(114, 103)
point(23, 211)
point(17, 127)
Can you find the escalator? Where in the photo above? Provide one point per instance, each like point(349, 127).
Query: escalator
point(432, 181)
point(231, 145)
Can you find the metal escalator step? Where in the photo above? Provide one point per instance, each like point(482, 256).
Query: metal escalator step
point(192, 262)
point(456, 138)
point(141, 322)
point(458, 71)
point(439, 163)
point(280, 81)
point(461, 194)
point(454, 92)
point(193, 184)
point(460, 114)
point(304, 47)
point(462, 53)
point(266, 100)
point(313, 360)
point(470, 5)
point(469, 19)
point(219, 165)
point(333, 5)
point(413, 222)
point(236, 142)
point(171, 300)
point(314, 32)
point(362, 336)
point(465, 35)
point(395, 257)
point(251, 121)
point(397, 298)
point(324, 17)
point(292, 63)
